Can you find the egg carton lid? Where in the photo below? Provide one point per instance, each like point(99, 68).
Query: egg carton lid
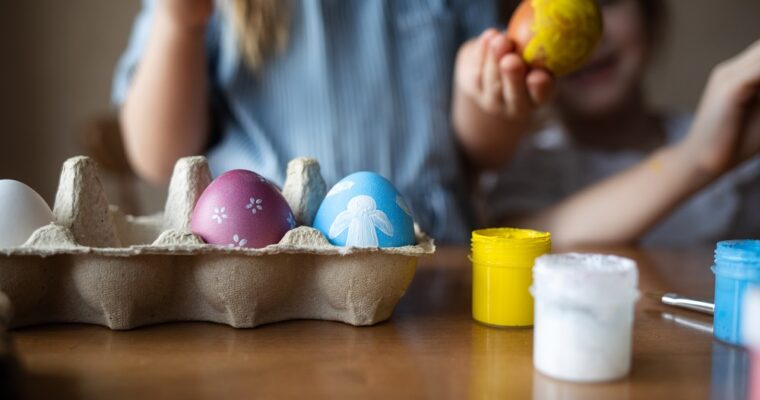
point(86, 224)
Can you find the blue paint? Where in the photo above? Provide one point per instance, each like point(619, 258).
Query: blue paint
point(737, 266)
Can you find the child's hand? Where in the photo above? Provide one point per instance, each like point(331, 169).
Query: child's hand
point(188, 14)
point(726, 130)
point(497, 79)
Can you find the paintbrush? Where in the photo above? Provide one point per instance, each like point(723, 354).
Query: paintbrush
point(675, 300)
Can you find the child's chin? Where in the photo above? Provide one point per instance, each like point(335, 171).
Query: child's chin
point(593, 103)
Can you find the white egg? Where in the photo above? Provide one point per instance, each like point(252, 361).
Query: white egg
point(23, 212)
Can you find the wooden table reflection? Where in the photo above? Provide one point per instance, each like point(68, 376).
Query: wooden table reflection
point(430, 348)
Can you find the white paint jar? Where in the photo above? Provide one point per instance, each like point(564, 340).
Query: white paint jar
point(584, 306)
point(751, 335)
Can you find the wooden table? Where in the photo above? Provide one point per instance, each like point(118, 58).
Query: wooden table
point(430, 348)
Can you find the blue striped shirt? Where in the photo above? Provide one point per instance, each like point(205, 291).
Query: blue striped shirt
point(362, 85)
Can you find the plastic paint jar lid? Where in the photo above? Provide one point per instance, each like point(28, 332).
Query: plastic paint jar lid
point(584, 316)
point(751, 318)
point(509, 247)
point(595, 279)
point(738, 259)
point(502, 261)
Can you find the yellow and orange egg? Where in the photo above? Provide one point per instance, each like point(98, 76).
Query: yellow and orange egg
point(556, 35)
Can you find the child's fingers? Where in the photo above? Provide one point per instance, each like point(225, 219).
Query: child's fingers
point(540, 86)
point(515, 91)
point(487, 34)
point(491, 79)
point(500, 45)
point(747, 66)
point(479, 55)
point(737, 80)
point(744, 66)
point(749, 59)
point(509, 45)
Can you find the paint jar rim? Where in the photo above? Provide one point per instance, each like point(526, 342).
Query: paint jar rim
point(510, 237)
point(600, 280)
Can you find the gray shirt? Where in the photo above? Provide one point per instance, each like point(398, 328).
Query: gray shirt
point(548, 167)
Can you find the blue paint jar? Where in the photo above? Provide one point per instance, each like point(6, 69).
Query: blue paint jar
point(737, 266)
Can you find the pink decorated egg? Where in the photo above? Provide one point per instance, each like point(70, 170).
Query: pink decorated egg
point(242, 209)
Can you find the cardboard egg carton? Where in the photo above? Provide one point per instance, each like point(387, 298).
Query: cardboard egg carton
point(5, 317)
point(9, 366)
point(96, 265)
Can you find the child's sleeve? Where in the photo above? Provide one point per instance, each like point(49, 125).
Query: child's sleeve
point(475, 16)
point(138, 41)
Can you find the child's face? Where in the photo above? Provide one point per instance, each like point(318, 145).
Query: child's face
point(614, 73)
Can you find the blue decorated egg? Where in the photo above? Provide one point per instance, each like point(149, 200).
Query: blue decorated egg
point(365, 210)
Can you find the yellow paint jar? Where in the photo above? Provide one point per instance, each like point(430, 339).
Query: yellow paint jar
point(502, 265)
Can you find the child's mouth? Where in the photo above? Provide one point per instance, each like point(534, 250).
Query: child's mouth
point(598, 69)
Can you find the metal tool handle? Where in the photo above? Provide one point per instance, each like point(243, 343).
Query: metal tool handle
point(675, 300)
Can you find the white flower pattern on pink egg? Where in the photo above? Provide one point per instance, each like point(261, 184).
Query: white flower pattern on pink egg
point(219, 214)
point(237, 241)
point(255, 205)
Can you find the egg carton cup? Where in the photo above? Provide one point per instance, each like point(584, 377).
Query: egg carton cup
point(96, 265)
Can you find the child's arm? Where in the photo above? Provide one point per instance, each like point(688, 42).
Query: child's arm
point(726, 131)
point(165, 114)
point(494, 97)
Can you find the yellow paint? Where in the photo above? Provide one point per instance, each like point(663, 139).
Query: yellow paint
point(502, 273)
point(565, 33)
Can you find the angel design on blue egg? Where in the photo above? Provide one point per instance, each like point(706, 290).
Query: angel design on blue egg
point(361, 218)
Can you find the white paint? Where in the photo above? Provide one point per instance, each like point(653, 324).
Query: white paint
point(340, 187)
point(751, 318)
point(401, 203)
point(219, 214)
point(237, 241)
point(361, 218)
point(583, 316)
point(255, 205)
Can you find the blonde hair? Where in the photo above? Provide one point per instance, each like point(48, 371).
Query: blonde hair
point(261, 28)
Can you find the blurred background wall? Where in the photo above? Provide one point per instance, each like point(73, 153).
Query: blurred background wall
point(701, 34)
point(58, 58)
